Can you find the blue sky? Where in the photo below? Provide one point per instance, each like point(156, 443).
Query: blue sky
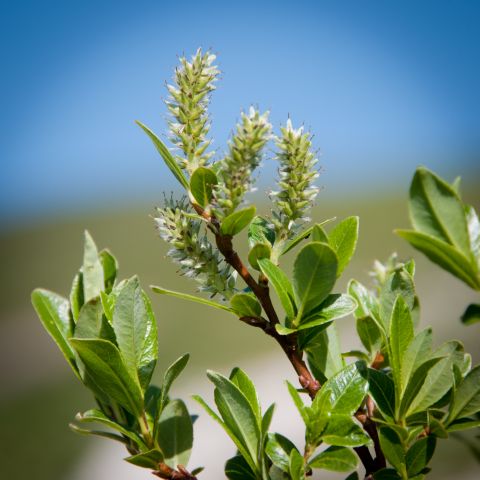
point(384, 86)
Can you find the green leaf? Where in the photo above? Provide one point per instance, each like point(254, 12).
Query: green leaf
point(367, 304)
point(439, 379)
point(105, 366)
point(110, 267)
point(238, 443)
point(463, 424)
point(76, 295)
point(166, 155)
point(175, 434)
point(382, 390)
point(245, 305)
point(314, 275)
point(53, 312)
point(237, 468)
point(416, 353)
point(95, 415)
point(471, 314)
point(319, 234)
point(302, 235)
point(399, 282)
point(278, 449)
point(347, 389)
point(297, 400)
point(92, 269)
point(237, 221)
point(201, 185)
point(444, 255)
point(473, 225)
point(415, 393)
point(236, 412)
point(419, 455)
point(267, 419)
point(149, 459)
point(191, 298)
point(401, 334)
point(335, 459)
point(172, 373)
point(260, 230)
point(392, 448)
point(386, 474)
point(324, 354)
point(369, 333)
point(92, 323)
point(239, 378)
point(258, 252)
point(343, 431)
point(98, 433)
point(297, 467)
point(343, 239)
point(281, 284)
point(436, 210)
point(335, 306)
point(467, 396)
point(136, 331)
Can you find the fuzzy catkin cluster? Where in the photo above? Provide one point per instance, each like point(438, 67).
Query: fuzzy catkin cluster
point(297, 174)
point(192, 250)
point(244, 156)
point(188, 102)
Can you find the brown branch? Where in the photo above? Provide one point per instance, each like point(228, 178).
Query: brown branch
point(164, 471)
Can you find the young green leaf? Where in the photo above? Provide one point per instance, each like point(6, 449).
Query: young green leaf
point(246, 386)
point(237, 221)
point(175, 434)
point(172, 373)
point(347, 389)
point(400, 336)
point(296, 465)
point(343, 239)
point(382, 390)
point(278, 449)
point(335, 306)
point(393, 449)
point(319, 234)
point(98, 433)
point(260, 230)
point(97, 416)
point(324, 354)
point(444, 255)
point(436, 210)
point(236, 412)
point(281, 284)
point(166, 155)
point(335, 459)
point(237, 468)
point(233, 436)
point(201, 185)
point(303, 235)
point(419, 455)
point(467, 396)
point(267, 420)
point(191, 298)
point(245, 305)
point(314, 275)
point(92, 269)
point(92, 323)
point(149, 459)
point(471, 314)
point(367, 304)
point(369, 333)
point(53, 312)
point(343, 431)
point(258, 252)
point(105, 366)
point(473, 225)
point(136, 331)
point(76, 295)
point(110, 267)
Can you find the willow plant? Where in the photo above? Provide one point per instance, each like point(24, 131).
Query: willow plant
point(377, 416)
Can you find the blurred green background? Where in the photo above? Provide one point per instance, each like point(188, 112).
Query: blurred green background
point(384, 86)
